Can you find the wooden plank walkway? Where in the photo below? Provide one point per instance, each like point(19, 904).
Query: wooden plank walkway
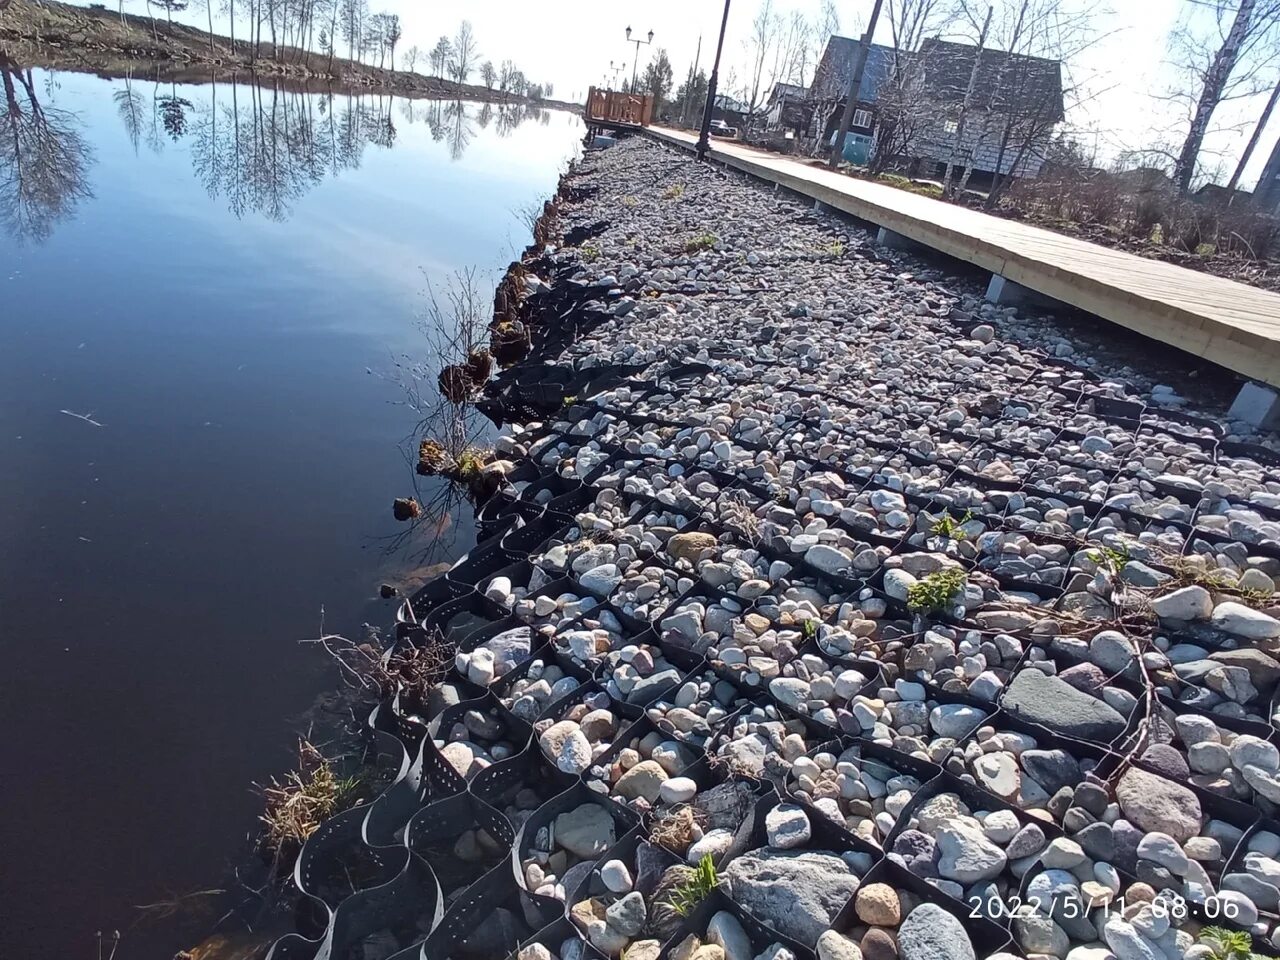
point(1227, 323)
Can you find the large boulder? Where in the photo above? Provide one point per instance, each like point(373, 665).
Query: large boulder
point(797, 893)
point(931, 933)
point(587, 830)
point(1154, 803)
point(1056, 704)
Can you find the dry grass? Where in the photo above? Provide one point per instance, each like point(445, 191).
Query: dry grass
point(296, 805)
point(743, 519)
point(674, 830)
point(412, 671)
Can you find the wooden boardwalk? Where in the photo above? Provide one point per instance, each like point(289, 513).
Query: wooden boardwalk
point(1227, 323)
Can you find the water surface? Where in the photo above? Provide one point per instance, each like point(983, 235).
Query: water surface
point(206, 293)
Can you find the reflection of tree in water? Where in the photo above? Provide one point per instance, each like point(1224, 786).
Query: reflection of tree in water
point(458, 129)
point(173, 114)
point(263, 148)
point(44, 160)
point(131, 107)
point(511, 115)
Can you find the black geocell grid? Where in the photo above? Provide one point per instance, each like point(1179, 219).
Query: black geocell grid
point(442, 805)
point(405, 881)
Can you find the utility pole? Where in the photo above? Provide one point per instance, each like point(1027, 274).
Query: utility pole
point(703, 137)
point(1253, 142)
point(688, 86)
point(855, 87)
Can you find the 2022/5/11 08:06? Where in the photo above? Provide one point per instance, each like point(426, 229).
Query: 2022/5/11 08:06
point(1172, 907)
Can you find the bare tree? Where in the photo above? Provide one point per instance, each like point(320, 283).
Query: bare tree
point(465, 53)
point(507, 76)
point(961, 121)
point(354, 13)
point(906, 105)
point(229, 7)
point(391, 35)
point(761, 45)
point(411, 57)
point(1218, 62)
point(440, 55)
point(1253, 142)
point(488, 74)
point(208, 8)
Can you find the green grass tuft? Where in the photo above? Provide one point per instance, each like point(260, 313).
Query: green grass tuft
point(703, 241)
point(1227, 944)
point(935, 592)
point(949, 527)
point(686, 897)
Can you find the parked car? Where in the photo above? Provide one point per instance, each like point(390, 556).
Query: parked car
point(721, 129)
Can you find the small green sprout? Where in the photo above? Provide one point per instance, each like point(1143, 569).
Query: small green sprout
point(1112, 557)
point(703, 241)
point(686, 897)
point(1227, 944)
point(935, 592)
point(949, 527)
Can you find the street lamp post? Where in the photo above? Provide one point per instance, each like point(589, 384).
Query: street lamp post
point(616, 68)
point(635, 65)
point(703, 142)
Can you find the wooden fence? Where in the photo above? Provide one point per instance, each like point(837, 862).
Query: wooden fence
point(613, 107)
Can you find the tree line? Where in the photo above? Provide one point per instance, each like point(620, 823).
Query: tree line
point(293, 30)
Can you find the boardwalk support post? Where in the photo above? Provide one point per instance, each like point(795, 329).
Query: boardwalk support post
point(1256, 405)
point(896, 241)
point(1004, 292)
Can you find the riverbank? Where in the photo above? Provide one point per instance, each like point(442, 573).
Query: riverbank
point(94, 39)
point(828, 609)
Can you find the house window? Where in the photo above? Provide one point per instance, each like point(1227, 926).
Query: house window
point(951, 126)
point(862, 118)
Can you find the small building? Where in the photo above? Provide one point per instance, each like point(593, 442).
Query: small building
point(830, 87)
point(731, 111)
point(787, 106)
point(1015, 106)
point(1008, 127)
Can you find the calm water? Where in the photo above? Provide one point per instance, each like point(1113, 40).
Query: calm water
point(204, 290)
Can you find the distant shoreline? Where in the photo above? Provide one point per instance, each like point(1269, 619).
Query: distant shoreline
point(93, 40)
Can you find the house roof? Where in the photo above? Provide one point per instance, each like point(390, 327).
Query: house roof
point(835, 70)
point(726, 102)
point(1034, 83)
point(786, 90)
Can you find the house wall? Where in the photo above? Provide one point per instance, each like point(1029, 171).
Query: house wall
point(982, 135)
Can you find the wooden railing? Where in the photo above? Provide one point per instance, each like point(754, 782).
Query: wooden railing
point(611, 106)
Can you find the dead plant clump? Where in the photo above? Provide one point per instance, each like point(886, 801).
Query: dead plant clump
point(412, 671)
point(406, 508)
point(674, 831)
point(433, 459)
point(296, 805)
point(510, 343)
point(479, 366)
point(455, 385)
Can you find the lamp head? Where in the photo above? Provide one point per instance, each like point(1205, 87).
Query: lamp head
point(651, 36)
point(628, 33)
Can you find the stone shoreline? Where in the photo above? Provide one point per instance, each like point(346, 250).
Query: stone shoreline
point(828, 586)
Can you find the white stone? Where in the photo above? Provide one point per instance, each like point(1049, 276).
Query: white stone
point(1241, 621)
